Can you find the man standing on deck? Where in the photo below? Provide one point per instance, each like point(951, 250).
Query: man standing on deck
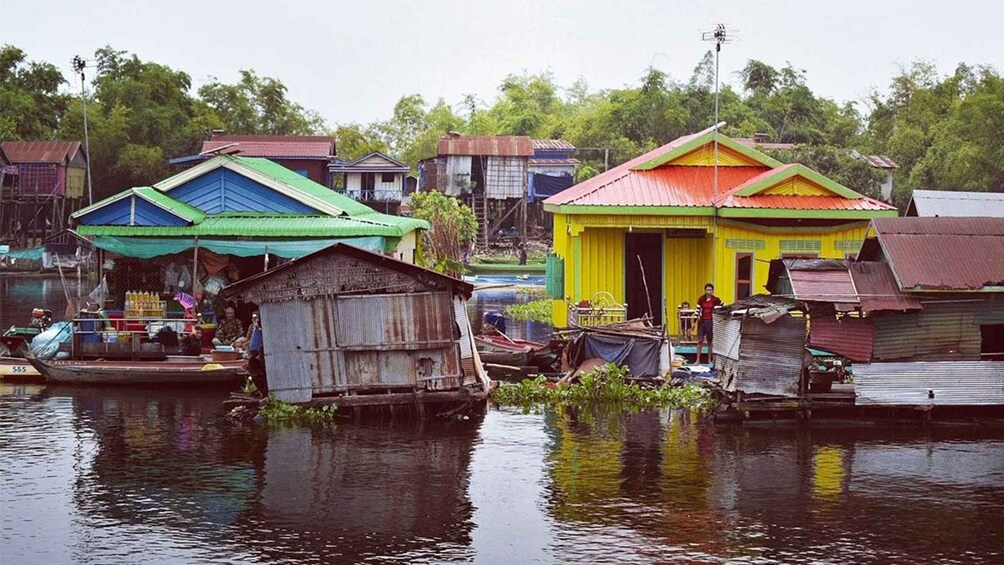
point(705, 323)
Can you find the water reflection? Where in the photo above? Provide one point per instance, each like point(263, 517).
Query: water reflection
point(19, 294)
point(128, 476)
point(496, 299)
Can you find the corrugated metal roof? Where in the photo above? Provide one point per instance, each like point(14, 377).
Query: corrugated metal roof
point(943, 253)
point(40, 151)
point(823, 286)
point(751, 142)
point(558, 144)
point(301, 183)
point(877, 289)
point(945, 383)
point(672, 185)
point(492, 145)
point(880, 161)
point(373, 224)
point(178, 208)
point(280, 146)
point(785, 202)
point(956, 203)
point(553, 162)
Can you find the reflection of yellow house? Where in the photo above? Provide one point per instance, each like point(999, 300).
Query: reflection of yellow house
point(652, 231)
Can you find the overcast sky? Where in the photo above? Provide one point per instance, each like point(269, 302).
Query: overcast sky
point(352, 59)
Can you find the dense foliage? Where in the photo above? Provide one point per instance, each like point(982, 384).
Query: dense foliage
point(534, 311)
point(279, 412)
point(604, 385)
point(943, 131)
point(454, 228)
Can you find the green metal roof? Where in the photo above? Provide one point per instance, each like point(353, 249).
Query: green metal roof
point(372, 224)
point(299, 182)
point(176, 207)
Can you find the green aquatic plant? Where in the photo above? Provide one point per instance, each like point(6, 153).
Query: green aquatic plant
point(535, 292)
point(277, 411)
point(606, 385)
point(534, 311)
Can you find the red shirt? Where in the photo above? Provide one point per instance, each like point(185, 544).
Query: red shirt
point(707, 305)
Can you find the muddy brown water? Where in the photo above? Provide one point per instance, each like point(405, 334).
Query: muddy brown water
point(108, 476)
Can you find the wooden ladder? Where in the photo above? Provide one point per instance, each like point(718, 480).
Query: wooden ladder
point(479, 204)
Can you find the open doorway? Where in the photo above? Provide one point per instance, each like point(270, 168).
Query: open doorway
point(643, 276)
point(992, 348)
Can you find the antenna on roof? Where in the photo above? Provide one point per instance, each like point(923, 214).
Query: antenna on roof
point(79, 64)
point(720, 34)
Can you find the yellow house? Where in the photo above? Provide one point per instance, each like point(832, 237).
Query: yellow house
point(650, 233)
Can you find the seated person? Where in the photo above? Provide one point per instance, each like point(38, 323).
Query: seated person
point(686, 320)
point(229, 329)
point(248, 340)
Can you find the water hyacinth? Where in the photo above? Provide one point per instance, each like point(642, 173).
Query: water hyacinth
point(606, 384)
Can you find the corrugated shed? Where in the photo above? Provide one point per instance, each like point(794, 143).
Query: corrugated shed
point(946, 383)
point(943, 330)
point(289, 378)
point(672, 185)
point(489, 145)
point(771, 356)
point(276, 146)
point(849, 336)
point(943, 253)
point(40, 151)
point(956, 203)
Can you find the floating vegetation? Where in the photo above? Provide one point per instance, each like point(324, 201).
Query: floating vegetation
point(534, 311)
point(607, 384)
point(277, 411)
point(535, 292)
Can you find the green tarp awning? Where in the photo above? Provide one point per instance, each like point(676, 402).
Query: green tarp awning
point(147, 247)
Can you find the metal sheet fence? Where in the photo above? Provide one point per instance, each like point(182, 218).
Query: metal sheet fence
point(937, 383)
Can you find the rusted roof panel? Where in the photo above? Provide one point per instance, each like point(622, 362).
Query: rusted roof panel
point(553, 144)
point(823, 286)
point(880, 161)
point(281, 146)
point(40, 151)
point(877, 289)
point(943, 253)
point(672, 185)
point(491, 145)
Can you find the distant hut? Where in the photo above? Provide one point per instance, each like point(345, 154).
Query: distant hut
point(362, 329)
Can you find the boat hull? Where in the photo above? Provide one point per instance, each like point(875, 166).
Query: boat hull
point(139, 373)
point(17, 368)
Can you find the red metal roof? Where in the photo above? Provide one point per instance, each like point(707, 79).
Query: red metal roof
point(40, 151)
point(673, 185)
point(784, 202)
point(868, 285)
point(492, 145)
point(286, 146)
point(823, 285)
point(553, 144)
point(943, 253)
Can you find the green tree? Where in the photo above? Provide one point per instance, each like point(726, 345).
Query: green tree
point(454, 227)
point(257, 105)
point(354, 141)
point(31, 105)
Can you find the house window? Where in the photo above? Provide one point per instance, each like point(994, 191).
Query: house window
point(387, 178)
point(744, 275)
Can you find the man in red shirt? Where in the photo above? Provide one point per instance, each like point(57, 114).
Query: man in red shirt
point(705, 325)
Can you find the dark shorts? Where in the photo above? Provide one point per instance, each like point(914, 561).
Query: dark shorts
point(705, 328)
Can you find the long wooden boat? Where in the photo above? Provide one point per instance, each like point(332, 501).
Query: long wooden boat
point(174, 371)
point(17, 368)
point(504, 351)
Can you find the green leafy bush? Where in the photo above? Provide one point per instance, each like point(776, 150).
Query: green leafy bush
point(535, 311)
point(607, 384)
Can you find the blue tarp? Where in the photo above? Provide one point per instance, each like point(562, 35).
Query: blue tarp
point(147, 247)
point(542, 186)
point(640, 355)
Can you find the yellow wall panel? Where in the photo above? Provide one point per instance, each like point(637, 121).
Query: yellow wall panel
point(705, 156)
point(798, 186)
point(687, 271)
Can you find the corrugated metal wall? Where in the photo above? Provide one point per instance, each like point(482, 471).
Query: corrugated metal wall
point(458, 168)
point(288, 377)
point(770, 356)
point(601, 263)
point(932, 333)
point(726, 344)
point(944, 383)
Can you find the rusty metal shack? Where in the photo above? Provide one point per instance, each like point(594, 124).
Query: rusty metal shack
point(921, 313)
point(356, 328)
point(759, 346)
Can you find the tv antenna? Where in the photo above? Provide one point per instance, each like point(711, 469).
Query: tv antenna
point(79, 65)
point(720, 34)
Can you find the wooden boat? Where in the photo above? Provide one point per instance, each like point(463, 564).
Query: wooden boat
point(173, 371)
point(17, 368)
point(501, 350)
